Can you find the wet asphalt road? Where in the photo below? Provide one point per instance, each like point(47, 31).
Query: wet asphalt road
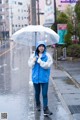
point(16, 89)
point(14, 82)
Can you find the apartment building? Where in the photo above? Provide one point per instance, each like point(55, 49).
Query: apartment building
point(13, 16)
point(4, 22)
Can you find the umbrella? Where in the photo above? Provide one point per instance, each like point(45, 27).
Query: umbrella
point(32, 33)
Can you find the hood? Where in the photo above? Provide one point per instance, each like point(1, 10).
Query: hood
point(40, 43)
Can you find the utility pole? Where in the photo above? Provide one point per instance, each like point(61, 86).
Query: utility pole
point(33, 13)
point(38, 13)
point(33, 7)
point(11, 21)
point(55, 16)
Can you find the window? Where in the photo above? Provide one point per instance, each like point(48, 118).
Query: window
point(24, 10)
point(25, 17)
point(0, 17)
point(7, 9)
point(20, 3)
point(6, 1)
point(15, 2)
point(25, 24)
point(18, 17)
point(0, 9)
point(18, 10)
point(7, 17)
point(0, 1)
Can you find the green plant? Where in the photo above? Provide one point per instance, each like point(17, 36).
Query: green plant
point(68, 40)
point(73, 50)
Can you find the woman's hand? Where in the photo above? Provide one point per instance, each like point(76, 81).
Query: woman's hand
point(40, 55)
point(34, 59)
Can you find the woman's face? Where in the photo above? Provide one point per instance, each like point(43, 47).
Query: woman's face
point(41, 48)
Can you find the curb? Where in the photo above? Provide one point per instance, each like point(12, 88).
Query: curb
point(68, 74)
point(61, 99)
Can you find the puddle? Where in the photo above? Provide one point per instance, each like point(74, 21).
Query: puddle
point(65, 79)
point(68, 81)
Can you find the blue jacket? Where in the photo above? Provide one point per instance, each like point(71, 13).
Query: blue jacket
point(40, 67)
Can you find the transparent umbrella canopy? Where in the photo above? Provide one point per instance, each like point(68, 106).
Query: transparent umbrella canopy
point(31, 34)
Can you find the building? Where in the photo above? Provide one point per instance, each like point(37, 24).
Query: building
point(63, 4)
point(4, 20)
point(13, 16)
point(49, 10)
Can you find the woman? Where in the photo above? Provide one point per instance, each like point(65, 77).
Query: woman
point(40, 61)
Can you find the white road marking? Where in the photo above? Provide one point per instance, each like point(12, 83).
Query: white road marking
point(15, 69)
point(4, 65)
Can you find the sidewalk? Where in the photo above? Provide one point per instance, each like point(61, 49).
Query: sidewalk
point(67, 90)
point(66, 80)
point(73, 68)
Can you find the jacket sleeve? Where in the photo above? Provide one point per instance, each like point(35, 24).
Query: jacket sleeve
point(46, 64)
point(31, 61)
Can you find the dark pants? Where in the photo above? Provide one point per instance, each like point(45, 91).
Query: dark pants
point(37, 88)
